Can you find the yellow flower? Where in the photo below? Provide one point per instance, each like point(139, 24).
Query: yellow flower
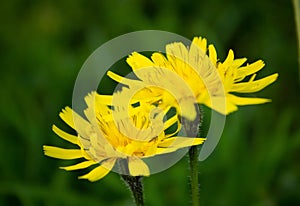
point(211, 82)
point(113, 133)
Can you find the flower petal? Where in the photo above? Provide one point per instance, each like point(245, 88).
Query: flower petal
point(137, 61)
point(70, 138)
point(254, 86)
point(229, 59)
point(200, 42)
point(75, 121)
point(242, 72)
point(238, 62)
point(100, 171)
point(165, 150)
point(246, 100)
point(80, 165)
point(218, 103)
point(123, 80)
point(212, 54)
point(160, 60)
point(178, 51)
point(137, 167)
point(61, 153)
point(171, 121)
point(180, 142)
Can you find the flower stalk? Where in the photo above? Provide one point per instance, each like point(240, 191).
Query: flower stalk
point(136, 186)
point(192, 130)
point(193, 157)
point(134, 183)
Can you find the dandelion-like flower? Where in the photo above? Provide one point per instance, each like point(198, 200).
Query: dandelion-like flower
point(107, 137)
point(211, 81)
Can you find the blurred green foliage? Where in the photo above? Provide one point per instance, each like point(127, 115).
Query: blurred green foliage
point(43, 46)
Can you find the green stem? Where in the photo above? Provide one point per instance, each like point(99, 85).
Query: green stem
point(296, 4)
point(192, 130)
point(136, 187)
point(193, 155)
point(134, 183)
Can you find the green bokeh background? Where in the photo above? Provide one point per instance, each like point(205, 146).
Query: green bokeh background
point(43, 45)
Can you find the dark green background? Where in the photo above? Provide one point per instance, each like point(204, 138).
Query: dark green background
point(43, 45)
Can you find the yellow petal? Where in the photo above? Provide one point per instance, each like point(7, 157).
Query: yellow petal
point(74, 120)
point(242, 72)
point(137, 167)
point(71, 138)
point(222, 105)
point(212, 54)
point(177, 55)
point(151, 75)
point(200, 42)
point(100, 171)
point(148, 95)
point(123, 80)
point(230, 107)
point(254, 86)
point(67, 116)
point(238, 62)
point(229, 60)
point(177, 50)
point(246, 100)
point(115, 76)
point(137, 61)
point(187, 109)
point(171, 121)
point(218, 103)
point(61, 153)
point(93, 107)
point(198, 60)
point(181, 142)
point(160, 60)
point(104, 99)
point(90, 100)
point(165, 150)
point(80, 165)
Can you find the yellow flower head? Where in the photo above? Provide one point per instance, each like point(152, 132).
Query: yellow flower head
point(112, 133)
point(211, 82)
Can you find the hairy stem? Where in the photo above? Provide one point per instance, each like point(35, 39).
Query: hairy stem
point(136, 187)
point(193, 156)
point(192, 130)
